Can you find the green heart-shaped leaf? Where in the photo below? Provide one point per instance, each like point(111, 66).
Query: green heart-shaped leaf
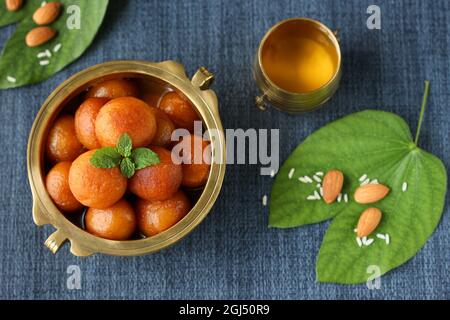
point(20, 65)
point(378, 144)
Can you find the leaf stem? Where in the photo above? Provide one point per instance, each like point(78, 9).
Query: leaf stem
point(422, 110)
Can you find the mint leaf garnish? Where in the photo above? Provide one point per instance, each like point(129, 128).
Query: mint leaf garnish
point(106, 157)
point(144, 157)
point(127, 167)
point(124, 145)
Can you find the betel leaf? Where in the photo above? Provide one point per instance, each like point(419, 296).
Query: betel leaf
point(380, 145)
point(125, 145)
point(8, 17)
point(20, 65)
point(144, 157)
point(106, 158)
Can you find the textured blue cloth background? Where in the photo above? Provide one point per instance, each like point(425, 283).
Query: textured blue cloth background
point(233, 254)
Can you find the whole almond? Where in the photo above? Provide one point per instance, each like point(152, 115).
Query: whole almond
point(13, 5)
point(39, 35)
point(370, 193)
point(332, 185)
point(47, 13)
point(368, 221)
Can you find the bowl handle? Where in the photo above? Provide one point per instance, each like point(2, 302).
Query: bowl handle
point(55, 241)
point(202, 78)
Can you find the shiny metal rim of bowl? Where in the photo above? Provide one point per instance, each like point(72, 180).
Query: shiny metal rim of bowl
point(292, 102)
point(169, 72)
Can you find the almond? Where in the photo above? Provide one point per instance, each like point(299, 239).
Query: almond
point(368, 221)
point(332, 185)
point(13, 5)
point(370, 193)
point(39, 35)
point(47, 13)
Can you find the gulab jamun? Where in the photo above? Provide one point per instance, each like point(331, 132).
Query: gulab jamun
point(57, 184)
point(117, 222)
point(85, 121)
point(157, 182)
point(62, 142)
point(179, 110)
point(95, 187)
point(114, 88)
point(154, 217)
point(125, 115)
point(196, 163)
point(164, 129)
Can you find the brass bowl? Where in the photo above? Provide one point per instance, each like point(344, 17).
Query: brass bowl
point(293, 102)
point(168, 73)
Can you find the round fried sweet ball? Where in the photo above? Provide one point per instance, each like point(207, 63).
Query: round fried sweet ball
point(85, 121)
point(114, 88)
point(116, 222)
point(157, 182)
point(125, 115)
point(197, 162)
point(95, 187)
point(62, 143)
point(154, 217)
point(57, 184)
point(164, 129)
point(179, 110)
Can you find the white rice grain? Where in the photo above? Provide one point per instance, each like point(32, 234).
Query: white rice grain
point(339, 197)
point(388, 240)
point(264, 200)
point(302, 179)
point(318, 185)
point(358, 240)
point(41, 54)
point(317, 178)
point(57, 47)
point(291, 173)
point(381, 236)
point(48, 53)
point(319, 173)
point(404, 186)
point(355, 230)
point(311, 198)
point(364, 239)
point(321, 191)
point(345, 197)
point(374, 181)
point(44, 62)
point(11, 79)
point(43, 3)
point(368, 242)
point(363, 177)
point(316, 195)
point(308, 179)
point(365, 182)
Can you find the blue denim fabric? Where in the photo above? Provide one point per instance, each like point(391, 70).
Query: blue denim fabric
point(233, 254)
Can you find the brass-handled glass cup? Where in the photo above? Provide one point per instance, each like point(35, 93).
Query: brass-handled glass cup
point(298, 65)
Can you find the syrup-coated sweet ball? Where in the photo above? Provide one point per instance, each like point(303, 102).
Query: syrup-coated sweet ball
point(179, 110)
point(57, 184)
point(157, 216)
point(117, 222)
point(164, 129)
point(62, 142)
point(196, 163)
point(125, 115)
point(157, 182)
point(114, 88)
point(95, 187)
point(85, 121)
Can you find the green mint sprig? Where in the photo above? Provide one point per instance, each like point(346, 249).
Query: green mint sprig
point(125, 157)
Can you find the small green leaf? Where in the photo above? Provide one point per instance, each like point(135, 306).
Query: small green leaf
point(127, 167)
point(125, 145)
point(144, 157)
point(105, 158)
point(380, 145)
point(20, 65)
